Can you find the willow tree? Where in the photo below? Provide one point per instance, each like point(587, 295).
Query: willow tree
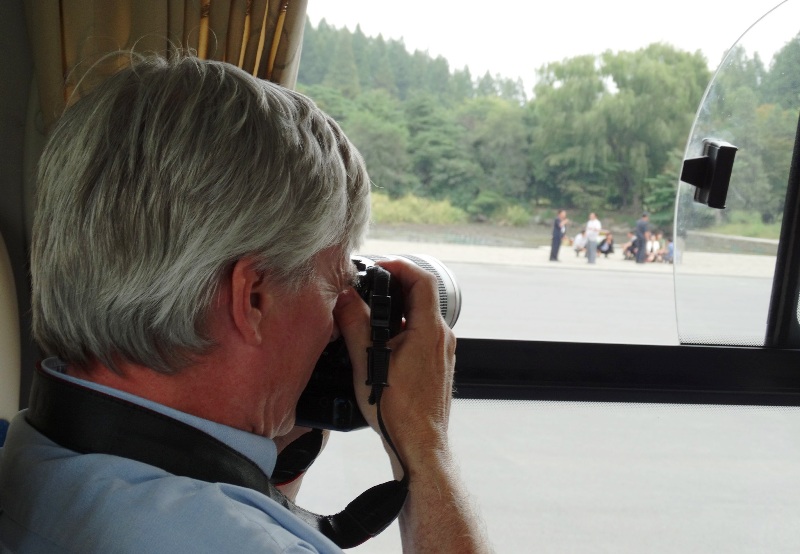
point(649, 112)
point(569, 156)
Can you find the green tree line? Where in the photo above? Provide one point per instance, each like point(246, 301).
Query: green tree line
point(598, 132)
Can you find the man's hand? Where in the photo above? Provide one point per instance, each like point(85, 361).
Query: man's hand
point(415, 408)
point(416, 405)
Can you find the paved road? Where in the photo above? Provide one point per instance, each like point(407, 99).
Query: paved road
point(517, 293)
point(549, 303)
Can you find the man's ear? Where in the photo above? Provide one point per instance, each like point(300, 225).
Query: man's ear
point(250, 300)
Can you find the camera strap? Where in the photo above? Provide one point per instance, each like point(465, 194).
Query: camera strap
point(378, 355)
point(87, 421)
point(296, 457)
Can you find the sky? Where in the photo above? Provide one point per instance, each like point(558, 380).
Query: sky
point(514, 37)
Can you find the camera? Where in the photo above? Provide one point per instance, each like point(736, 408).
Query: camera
point(329, 400)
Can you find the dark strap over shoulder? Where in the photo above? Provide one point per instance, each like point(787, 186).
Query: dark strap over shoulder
point(88, 421)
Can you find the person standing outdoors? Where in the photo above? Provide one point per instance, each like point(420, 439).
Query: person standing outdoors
point(593, 228)
point(642, 233)
point(559, 230)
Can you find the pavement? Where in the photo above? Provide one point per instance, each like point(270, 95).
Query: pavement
point(694, 263)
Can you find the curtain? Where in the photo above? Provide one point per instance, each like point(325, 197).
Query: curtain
point(69, 37)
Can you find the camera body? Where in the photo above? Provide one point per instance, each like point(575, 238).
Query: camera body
point(329, 399)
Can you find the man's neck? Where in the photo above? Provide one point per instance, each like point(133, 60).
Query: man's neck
point(193, 390)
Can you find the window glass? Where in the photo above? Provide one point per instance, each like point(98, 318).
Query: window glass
point(587, 478)
point(479, 125)
point(496, 150)
point(726, 257)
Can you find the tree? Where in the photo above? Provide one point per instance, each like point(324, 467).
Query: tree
point(437, 78)
point(400, 61)
point(317, 49)
point(569, 155)
point(378, 130)
point(461, 88)
point(486, 86)
point(597, 133)
point(342, 71)
point(782, 83)
point(660, 201)
point(382, 72)
point(498, 138)
point(764, 135)
point(331, 101)
point(440, 159)
point(657, 90)
point(361, 47)
point(777, 129)
point(743, 107)
point(511, 89)
point(737, 71)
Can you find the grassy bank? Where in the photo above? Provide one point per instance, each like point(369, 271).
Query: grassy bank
point(425, 220)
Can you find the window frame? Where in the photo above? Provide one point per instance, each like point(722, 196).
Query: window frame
point(596, 372)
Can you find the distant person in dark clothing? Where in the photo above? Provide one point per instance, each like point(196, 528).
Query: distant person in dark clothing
point(629, 248)
point(559, 230)
point(606, 245)
point(642, 233)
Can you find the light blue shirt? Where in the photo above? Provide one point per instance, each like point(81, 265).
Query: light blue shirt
point(55, 500)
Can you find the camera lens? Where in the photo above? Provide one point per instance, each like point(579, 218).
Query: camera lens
point(449, 293)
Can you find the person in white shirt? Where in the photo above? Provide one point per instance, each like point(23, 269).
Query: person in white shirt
point(579, 242)
point(593, 228)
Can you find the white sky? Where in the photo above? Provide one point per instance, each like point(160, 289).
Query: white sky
point(515, 37)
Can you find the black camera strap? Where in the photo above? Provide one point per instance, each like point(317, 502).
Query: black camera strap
point(296, 457)
point(379, 354)
point(88, 421)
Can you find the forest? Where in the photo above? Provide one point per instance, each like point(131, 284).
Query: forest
point(600, 132)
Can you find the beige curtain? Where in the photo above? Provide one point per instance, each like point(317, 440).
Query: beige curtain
point(68, 37)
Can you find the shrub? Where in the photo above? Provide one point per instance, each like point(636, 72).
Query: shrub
point(748, 224)
point(487, 204)
point(515, 215)
point(412, 209)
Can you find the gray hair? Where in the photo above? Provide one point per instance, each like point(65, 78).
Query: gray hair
point(153, 185)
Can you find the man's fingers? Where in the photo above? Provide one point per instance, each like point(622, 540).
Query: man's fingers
point(352, 318)
point(419, 291)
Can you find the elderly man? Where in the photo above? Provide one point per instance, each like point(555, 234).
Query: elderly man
point(190, 263)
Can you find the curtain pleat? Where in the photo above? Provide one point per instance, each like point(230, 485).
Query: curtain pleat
point(70, 37)
point(238, 27)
